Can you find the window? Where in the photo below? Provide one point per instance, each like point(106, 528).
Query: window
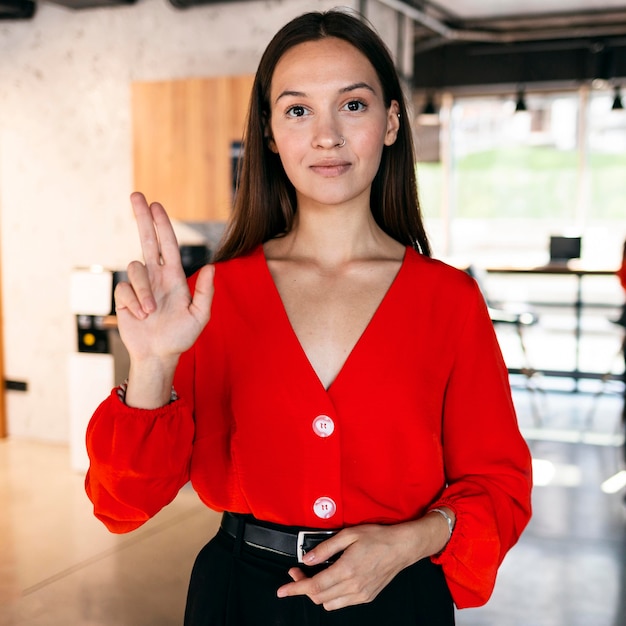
point(515, 178)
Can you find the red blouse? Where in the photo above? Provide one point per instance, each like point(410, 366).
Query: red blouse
point(621, 273)
point(419, 416)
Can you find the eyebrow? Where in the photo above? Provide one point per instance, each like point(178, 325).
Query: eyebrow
point(347, 89)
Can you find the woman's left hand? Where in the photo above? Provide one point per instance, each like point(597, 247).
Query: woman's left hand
point(372, 556)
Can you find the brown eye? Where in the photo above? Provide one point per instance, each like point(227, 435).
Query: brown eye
point(355, 106)
point(296, 111)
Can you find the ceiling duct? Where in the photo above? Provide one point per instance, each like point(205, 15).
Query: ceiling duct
point(440, 29)
point(17, 9)
point(90, 4)
point(185, 4)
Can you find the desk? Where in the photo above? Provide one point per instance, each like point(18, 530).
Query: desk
point(579, 272)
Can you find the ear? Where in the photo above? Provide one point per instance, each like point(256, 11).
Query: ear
point(271, 144)
point(267, 134)
point(393, 123)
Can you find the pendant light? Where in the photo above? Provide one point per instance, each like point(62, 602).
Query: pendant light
point(617, 100)
point(429, 115)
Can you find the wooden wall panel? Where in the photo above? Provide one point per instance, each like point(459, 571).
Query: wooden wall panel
point(182, 136)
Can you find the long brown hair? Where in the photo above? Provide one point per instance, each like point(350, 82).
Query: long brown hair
point(265, 201)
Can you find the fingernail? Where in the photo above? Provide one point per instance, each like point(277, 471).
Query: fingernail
point(281, 593)
point(309, 557)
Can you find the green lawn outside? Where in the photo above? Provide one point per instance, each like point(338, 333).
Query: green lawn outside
point(527, 183)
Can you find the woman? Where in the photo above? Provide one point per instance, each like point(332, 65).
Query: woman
point(346, 404)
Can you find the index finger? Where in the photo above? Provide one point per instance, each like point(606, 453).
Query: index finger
point(315, 587)
point(168, 244)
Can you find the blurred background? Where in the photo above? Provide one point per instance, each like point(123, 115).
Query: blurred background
point(520, 131)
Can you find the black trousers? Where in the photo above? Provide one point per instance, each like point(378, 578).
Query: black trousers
point(233, 584)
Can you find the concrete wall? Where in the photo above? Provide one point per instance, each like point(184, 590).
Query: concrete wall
point(65, 160)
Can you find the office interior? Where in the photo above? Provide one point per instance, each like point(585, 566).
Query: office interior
point(521, 139)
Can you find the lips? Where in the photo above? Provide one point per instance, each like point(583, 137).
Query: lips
point(330, 167)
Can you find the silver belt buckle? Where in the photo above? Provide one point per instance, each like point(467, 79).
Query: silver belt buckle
point(300, 551)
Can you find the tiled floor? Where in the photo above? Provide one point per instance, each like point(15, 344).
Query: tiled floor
point(59, 566)
point(569, 567)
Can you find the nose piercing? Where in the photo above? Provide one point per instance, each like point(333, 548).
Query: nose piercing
point(343, 143)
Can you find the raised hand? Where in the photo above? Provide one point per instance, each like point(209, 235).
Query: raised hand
point(157, 317)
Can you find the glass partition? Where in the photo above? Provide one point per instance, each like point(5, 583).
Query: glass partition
point(502, 182)
point(513, 179)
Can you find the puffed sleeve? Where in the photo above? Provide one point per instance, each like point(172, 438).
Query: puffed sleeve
point(487, 462)
point(621, 274)
point(139, 459)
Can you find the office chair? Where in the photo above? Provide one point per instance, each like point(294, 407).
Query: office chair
point(519, 320)
point(609, 375)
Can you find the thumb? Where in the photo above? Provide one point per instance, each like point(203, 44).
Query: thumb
point(203, 294)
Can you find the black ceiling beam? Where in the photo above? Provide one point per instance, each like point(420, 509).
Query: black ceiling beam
point(469, 65)
point(186, 4)
point(17, 9)
point(90, 4)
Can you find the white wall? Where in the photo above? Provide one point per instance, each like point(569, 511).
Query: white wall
point(65, 160)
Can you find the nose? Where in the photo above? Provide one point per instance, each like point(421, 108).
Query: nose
point(327, 133)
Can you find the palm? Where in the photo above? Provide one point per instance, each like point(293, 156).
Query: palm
point(157, 316)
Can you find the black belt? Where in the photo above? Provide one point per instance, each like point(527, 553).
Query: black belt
point(288, 542)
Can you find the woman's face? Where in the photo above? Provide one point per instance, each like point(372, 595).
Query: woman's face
point(322, 93)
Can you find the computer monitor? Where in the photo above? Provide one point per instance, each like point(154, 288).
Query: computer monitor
point(564, 248)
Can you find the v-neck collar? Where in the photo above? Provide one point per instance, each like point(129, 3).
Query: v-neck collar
point(278, 301)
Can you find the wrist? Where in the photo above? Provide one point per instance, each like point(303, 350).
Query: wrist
point(149, 383)
point(446, 515)
point(122, 389)
point(424, 537)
